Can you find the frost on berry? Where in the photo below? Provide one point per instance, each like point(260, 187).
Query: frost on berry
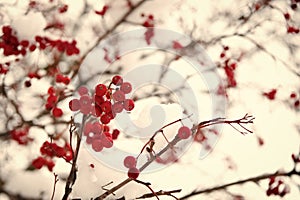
point(129, 162)
point(133, 173)
point(184, 132)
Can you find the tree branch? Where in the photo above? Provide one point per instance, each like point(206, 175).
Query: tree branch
point(253, 179)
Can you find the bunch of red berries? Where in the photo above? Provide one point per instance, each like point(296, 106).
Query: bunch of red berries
point(104, 104)
point(99, 136)
point(130, 163)
point(49, 151)
point(51, 104)
point(21, 135)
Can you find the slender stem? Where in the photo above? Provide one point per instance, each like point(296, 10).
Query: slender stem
point(253, 179)
point(73, 172)
point(171, 144)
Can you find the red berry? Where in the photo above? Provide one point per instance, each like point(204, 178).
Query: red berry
point(126, 87)
point(105, 119)
point(32, 47)
point(100, 89)
point(27, 83)
point(117, 80)
point(97, 128)
point(85, 100)
point(24, 43)
point(296, 104)
point(184, 132)
point(92, 165)
point(59, 78)
point(271, 94)
point(287, 16)
point(129, 162)
point(133, 173)
point(97, 145)
point(107, 142)
point(74, 105)
point(57, 112)
point(118, 95)
point(82, 90)
point(128, 104)
point(117, 107)
point(51, 90)
point(293, 95)
point(106, 128)
point(115, 134)
point(38, 162)
point(85, 109)
point(97, 111)
point(98, 100)
point(106, 106)
point(222, 55)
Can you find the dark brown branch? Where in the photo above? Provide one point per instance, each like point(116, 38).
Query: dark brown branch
point(54, 187)
point(244, 120)
point(253, 179)
point(160, 193)
point(73, 173)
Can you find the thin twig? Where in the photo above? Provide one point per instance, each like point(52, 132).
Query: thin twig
point(253, 179)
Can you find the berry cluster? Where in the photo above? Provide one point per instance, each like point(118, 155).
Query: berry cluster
point(11, 44)
point(52, 100)
point(148, 23)
point(62, 46)
point(62, 79)
point(277, 187)
point(229, 67)
point(99, 136)
point(130, 163)
point(21, 135)
point(49, 151)
point(104, 104)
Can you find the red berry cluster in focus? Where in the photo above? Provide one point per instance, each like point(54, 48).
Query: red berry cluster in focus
point(130, 163)
point(49, 151)
point(105, 103)
point(99, 136)
point(277, 187)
